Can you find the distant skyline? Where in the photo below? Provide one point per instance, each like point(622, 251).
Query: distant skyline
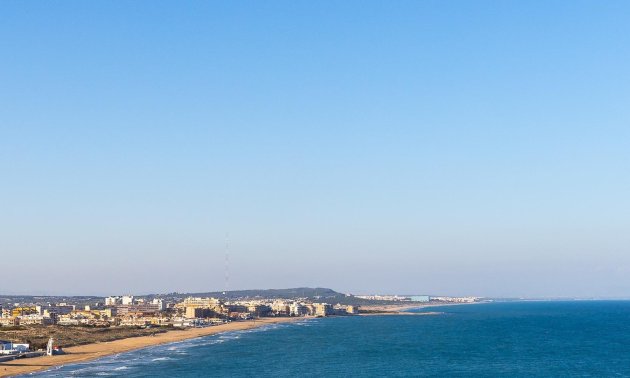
point(454, 148)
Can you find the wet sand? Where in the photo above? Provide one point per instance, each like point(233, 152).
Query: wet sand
point(400, 309)
point(93, 351)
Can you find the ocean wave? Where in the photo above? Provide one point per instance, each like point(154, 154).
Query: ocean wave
point(121, 364)
point(161, 359)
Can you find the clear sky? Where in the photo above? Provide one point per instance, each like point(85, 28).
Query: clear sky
point(410, 147)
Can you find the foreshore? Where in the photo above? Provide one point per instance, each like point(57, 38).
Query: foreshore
point(401, 309)
point(88, 352)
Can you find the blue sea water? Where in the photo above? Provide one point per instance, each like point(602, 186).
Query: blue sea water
point(525, 339)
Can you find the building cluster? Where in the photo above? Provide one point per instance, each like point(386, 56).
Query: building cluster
point(456, 299)
point(128, 310)
point(418, 298)
point(390, 298)
point(8, 347)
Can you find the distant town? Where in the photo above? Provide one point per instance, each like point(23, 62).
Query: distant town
point(139, 315)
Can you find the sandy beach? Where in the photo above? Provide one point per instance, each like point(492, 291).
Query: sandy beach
point(401, 309)
point(93, 351)
point(97, 350)
point(390, 309)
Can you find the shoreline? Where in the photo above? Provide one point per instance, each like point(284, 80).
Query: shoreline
point(402, 309)
point(88, 352)
point(93, 351)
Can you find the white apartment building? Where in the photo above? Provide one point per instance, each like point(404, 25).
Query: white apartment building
point(112, 301)
point(127, 299)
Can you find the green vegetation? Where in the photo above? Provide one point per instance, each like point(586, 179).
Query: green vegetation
point(67, 336)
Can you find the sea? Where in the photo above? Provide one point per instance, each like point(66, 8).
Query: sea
point(509, 339)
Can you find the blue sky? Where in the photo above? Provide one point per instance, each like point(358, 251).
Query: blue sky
point(464, 148)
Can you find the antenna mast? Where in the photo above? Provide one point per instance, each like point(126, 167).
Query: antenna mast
point(227, 263)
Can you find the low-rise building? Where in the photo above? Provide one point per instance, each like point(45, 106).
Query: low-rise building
point(420, 298)
point(8, 347)
point(340, 310)
point(25, 310)
point(136, 322)
point(35, 319)
point(107, 312)
point(281, 308)
point(47, 310)
point(65, 321)
point(197, 312)
point(9, 322)
point(5, 345)
point(298, 309)
point(212, 303)
point(259, 310)
point(145, 308)
point(323, 309)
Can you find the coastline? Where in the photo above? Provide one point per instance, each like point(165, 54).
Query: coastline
point(88, 352)
point(403, 309)
point(94, 351)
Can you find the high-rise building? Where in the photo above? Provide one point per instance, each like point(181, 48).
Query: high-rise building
point(127, 299)
point(160, 303)
point(112, 301)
